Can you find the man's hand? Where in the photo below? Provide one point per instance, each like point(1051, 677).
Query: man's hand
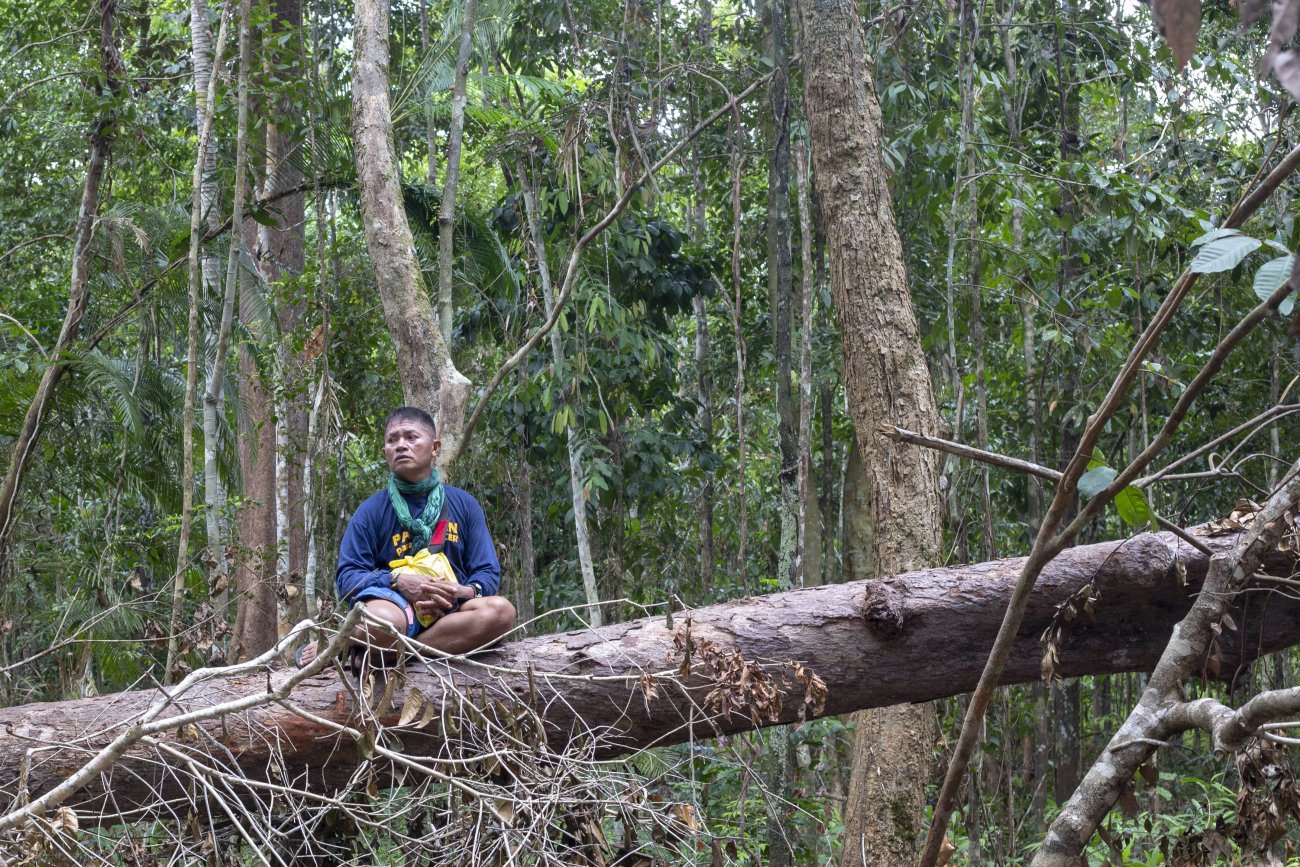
point(429, 595)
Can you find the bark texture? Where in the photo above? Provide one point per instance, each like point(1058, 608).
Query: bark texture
point(913, 637)
point(886, 377)
point(430, 379)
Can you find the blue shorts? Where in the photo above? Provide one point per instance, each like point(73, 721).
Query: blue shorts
point(413, 627)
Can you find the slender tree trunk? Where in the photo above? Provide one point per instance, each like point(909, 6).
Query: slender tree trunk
point(429, 377)
point(213, 397)
point(810, 567)
point(704, 393)
point(886, 376)
point(737, 308)
point(526, 591)
point(101, 141)
point(192, 364)
point(1065, 695)
point(447, 206)
point(780, 289)
point(577, 477)
point(430, 135)
point(201, 52)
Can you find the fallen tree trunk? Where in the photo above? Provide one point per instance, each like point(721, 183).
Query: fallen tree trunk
point(659, 680)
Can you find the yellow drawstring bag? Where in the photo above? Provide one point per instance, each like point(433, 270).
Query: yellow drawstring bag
point(425, 562)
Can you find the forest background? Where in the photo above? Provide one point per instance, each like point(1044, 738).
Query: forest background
point(202, 434)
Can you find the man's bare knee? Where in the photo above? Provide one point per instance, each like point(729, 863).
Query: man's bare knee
point(375, 635)
point(502, 611)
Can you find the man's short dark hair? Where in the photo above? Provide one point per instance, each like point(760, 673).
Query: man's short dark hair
point(413, 414)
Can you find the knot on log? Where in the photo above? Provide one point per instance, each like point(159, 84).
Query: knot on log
point(883, 610)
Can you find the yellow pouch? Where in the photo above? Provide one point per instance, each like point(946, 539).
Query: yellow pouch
point(426, 563)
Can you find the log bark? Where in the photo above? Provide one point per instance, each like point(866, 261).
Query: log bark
point(907, 638)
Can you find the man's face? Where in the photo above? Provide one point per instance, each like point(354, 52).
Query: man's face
point(410, 449)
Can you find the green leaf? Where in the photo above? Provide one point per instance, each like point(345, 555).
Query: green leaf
point(1223, 254)
point(1214, 235)
point(1095, 481)
point(1133, 507)
point(1270, 276)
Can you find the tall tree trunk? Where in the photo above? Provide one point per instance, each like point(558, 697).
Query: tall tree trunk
point(704, 393)
point(1065, 695)
point(780, 289)
point(208, 99)
point(577, 477)
point(429, 377)
point(256, 619)
point(526, 591)
point(213, 397)
point(810, 571)
point(737, 308)
point(101, 140)
point(282, 254)
point(430, 136)
point(886, 376)
point(447, 206)
point(201, 54)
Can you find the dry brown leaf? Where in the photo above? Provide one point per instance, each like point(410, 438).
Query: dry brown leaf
point(946, 850)
point(412, 706)
point(1179, 21)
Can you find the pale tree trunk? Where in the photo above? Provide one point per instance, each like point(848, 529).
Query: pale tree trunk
point(213, 397)
point(429, 377)
point(322, 411)
point(577, 485)
point(886, 377)
point(430, 136)
point(201, 52)
point(208, 99)
point(525, 592)
point(704, 391)
point(101, 140)
point(447, 205)
point(810, 571)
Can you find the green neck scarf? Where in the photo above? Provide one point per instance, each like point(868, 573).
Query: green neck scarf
point(420, 527)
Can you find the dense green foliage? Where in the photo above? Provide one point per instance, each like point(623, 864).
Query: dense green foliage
point(1087, 176)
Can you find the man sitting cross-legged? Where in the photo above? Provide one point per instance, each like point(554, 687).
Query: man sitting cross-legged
point(414, 512)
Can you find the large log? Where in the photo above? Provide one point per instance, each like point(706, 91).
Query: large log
point(909, 638)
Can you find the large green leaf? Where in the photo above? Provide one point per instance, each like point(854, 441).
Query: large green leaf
point(1270, 277)
point(1214, 235)
point(1223, 254)
point(1134, 509)
point(1095, 481)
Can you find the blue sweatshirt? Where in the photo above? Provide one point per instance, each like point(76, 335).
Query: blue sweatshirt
point(374, 537)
